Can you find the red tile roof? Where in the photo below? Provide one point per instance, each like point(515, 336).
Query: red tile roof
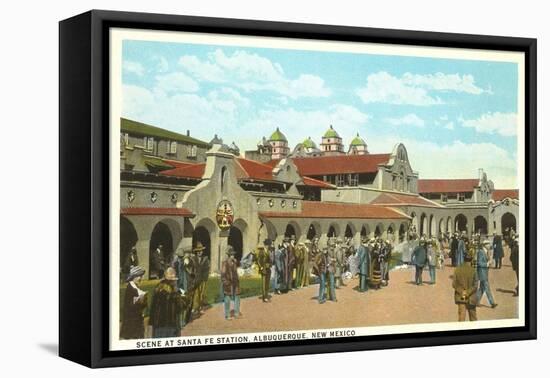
point(157, 211)
point(330, 165)
point(195, 171)
point(500, 194)
point(178, 163)
point(393, 199)
point(254, 170)
point(447, 185)
point(308, 181)
point(313, 209)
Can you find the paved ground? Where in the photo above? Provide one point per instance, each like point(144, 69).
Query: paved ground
point(402, 302)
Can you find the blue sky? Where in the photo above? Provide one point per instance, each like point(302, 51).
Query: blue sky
point(454, 116)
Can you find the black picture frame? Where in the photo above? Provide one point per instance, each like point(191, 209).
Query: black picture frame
point(84, 186)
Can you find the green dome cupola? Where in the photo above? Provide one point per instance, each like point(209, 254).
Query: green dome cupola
point(309, 143)
point(358, 141)
point(277, 136)
point(331, 133)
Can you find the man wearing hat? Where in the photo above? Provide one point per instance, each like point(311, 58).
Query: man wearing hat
point(454, 248)
point(157, 263)
point(263, 261)
point(231, 286)
point(307, 258)
point(339, 259)
point(279, 262)
point(461, 250)
point(323, 267)
point(289, 265)
point(185, 269)
point(203, 271)
point(166, 306)
point(364, 262)
point(514, 259)
point(135, 301)
point(498, 251)
point(131, 261)
point(301, 255)
point(465, 283)
point(483, 273)
point(419, 258)
point(432, 254)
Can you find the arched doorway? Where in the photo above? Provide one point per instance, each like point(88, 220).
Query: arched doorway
point(332, 231)
point(312, 231)
point(161, 238)
point(365, 231)
point(461, 223)
point(290, 232)
point(450, 225)
point(432, 231)
point(201, 234)
point(378, 230)
point(480, 225)
point(128, 239)
point(350, 232)
point(414, 223)
point(235, 240)
point(508, 223)
point(402, 232)
point(441, 228)
point(423, 224)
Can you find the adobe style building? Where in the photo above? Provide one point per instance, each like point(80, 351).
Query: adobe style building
point(225, 199)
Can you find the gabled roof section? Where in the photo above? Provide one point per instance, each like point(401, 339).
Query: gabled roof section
point(500, 194)
point(143, 129)
point(254, 170)
point(308, 181)
point(192, 171)
point(314, 209)
point(447, 185)
point(395, 199)
point(339, 164)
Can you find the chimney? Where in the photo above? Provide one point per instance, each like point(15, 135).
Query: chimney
point(188, 134)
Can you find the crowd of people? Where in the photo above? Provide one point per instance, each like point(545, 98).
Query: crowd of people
point(290, 265)
point(180, 295)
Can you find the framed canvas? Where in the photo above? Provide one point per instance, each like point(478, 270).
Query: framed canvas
point(235, 188)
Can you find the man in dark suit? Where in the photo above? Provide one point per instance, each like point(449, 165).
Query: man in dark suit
point(465, 283)
point(454, 248)
point(419, 259)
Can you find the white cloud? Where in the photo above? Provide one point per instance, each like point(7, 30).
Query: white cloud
point(455, 160)
point(414, 89)
point(504, 124)
point(383, 87)
point(217, 112)
point(443, 82)
point(176, 82)
point(407, 120)
point(135, 68)
point(252, 72)
point(450, 126)
point(162, 64)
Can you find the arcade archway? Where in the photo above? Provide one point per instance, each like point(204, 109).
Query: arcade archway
point(461, 223)
point(508, 223)
point(480, 225)
point(128, 239)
